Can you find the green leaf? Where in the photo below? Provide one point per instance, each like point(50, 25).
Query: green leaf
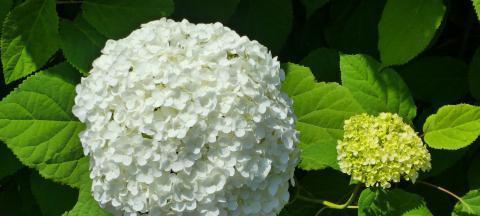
point(37, 124)
point(52, 198)
point(423, 210)
point(476, 5)
point(29, 38)
point(206, 11)
point(313, 5)
point(86, 205)
point(469, 206)
point(437, 80)
point(452, 127)
point(375, 202)
point(406, 28)
point(268, 21)
point(321, 109)
point(377, 91)
point(81, 43)
point(441, 160)
point(5, 6)
point(474, 75)
point(298, 80)
point(324, 64)
point(353, 26)
point(9, 163)
point(117, 18)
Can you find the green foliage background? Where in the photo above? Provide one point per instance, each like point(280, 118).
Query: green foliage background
point(417, 58)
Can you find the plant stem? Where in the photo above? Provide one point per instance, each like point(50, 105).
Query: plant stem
point(443, 190)
point(332, 205)
point(323, 209)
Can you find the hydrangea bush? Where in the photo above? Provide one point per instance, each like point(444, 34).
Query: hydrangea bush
point(239, 107)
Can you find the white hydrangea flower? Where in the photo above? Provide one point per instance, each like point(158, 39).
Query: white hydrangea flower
point(185, 119)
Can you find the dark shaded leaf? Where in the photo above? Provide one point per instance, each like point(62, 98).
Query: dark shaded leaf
point(394, 202)
point(52, 198)
point(117, 18)
point(353, 26)
point(324, 64)
point(9, 163)
point(437, 80)
point(206, 11)
point(268, 21)
point(81, 43)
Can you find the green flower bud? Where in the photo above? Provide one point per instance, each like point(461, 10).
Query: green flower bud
point(377, 150)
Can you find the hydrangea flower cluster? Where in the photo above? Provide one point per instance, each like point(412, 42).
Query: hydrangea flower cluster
point(377, 150)
point(185, 119)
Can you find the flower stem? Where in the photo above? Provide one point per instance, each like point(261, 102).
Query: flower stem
point(443, 190)
point(332, 205)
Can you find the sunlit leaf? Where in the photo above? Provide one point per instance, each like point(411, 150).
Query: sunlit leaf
point(36, 122)
point(30, 37)
point(375, 89)
point(321, 109)
point(406, 28)
point(453, 127)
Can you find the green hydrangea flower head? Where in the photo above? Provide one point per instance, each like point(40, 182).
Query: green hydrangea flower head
point(378, 150)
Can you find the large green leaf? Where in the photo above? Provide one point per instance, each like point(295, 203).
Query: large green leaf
point(452, 127)
point(324, 64)
point(352, 26)
point(9, 164)
point(52, 198)
point(469, 206)
point(29, 38)
point(206, 11)
point(268, 21)
point(37, 124)
point(321, 113)
point(406, 28)
point(441, 160)
point(321, 109)
point(117, 18)
point(86, 205)
point(377, 91)
point(437, 80)
point(474, 75)
point(81, 43)
point(299, 79)
point(395, 202)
